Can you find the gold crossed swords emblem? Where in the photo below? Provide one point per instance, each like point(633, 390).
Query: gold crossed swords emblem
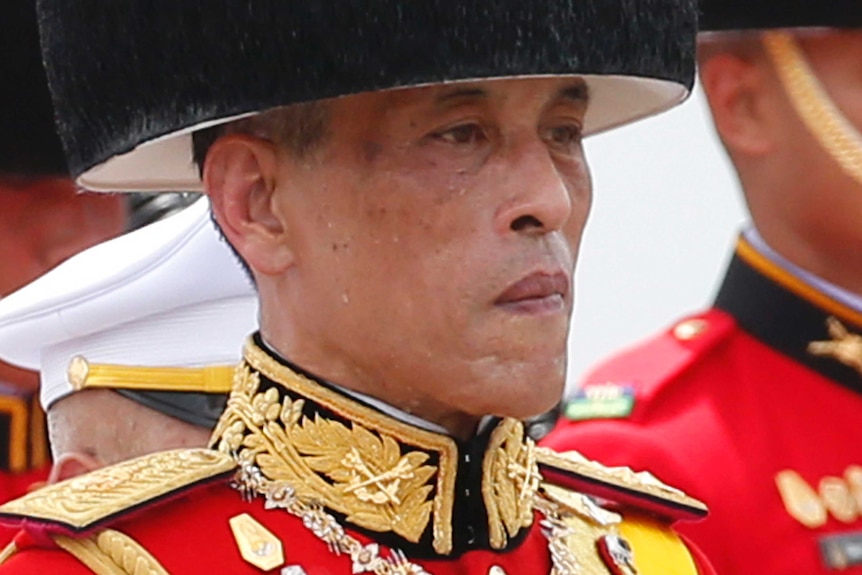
point(844, 346)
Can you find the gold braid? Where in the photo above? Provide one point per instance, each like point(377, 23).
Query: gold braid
point(841, 140)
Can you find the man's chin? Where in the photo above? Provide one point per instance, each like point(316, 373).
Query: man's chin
point(527, 408)
point(525, 393)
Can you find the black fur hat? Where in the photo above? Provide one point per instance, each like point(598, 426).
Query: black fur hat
point(730, 15)
point(28, 139)
point(132, 78)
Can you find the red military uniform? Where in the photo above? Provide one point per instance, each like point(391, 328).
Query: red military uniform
point(333, 485)
point(24, 460)
point(24, 454)
point(753, 407)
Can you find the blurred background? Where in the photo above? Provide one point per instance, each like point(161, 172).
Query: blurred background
point(666, 212)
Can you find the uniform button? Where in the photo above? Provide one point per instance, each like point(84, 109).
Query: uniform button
point(690, 329)
point(471, 535)
point(77, 372)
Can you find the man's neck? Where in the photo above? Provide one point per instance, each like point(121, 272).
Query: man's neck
point(456, 424)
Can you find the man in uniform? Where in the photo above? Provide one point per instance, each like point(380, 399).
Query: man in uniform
point(43, 221)
point(133, 357)
point(406, 183)
point(754, 405)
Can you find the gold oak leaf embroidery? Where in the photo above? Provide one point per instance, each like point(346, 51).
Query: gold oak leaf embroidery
point(352, 470)
point(510, 481)
point(385, 488)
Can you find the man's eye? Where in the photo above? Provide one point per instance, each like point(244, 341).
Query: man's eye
point(463, 134)
point(565, 135)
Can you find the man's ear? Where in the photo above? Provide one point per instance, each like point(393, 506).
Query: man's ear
point(736, 90)
point(239, 176)
point(71, 465)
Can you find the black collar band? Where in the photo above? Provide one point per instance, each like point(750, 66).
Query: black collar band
point(780, 311)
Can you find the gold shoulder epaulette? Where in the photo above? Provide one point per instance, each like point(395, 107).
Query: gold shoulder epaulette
point(619, 485)
point(87, 502)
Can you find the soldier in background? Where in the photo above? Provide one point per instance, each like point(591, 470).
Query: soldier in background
point(149, 361)
point(754, 405)
point(407, 185)
point(43, 221)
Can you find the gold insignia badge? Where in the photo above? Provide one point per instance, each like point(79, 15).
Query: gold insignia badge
point(800, 500)
point(257, 544)
point(844, 346)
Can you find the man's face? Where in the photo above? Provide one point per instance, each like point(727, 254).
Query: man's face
point(435, 234)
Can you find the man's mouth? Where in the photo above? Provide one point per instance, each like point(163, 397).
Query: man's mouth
point(537, 293)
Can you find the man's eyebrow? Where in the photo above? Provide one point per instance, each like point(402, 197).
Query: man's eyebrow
point(578, 93)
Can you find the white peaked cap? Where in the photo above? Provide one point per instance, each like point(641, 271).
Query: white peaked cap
point(171, 294)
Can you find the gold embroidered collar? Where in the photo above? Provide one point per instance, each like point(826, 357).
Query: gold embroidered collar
point(379, 473)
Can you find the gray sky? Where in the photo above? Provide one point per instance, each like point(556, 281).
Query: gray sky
point(665, 217)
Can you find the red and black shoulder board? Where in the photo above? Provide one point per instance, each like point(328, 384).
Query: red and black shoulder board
point(617, 486)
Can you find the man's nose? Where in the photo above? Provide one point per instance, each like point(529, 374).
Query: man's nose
point(537, 199)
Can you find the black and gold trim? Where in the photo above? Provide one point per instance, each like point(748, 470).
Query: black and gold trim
point(420, 491)
point(790, 316)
